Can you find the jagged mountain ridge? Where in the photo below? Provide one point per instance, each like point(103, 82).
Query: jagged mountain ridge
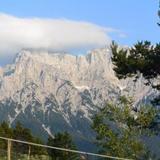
point(57, 92)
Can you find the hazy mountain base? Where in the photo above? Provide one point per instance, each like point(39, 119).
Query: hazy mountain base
point(82, 138)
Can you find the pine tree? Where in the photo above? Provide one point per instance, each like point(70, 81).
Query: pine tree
point(25, 134)
point(62, 140)
point(120, 129)
point(5, 131)
point(141, 59)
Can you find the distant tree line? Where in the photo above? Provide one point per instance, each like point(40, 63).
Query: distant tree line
point(19, 132)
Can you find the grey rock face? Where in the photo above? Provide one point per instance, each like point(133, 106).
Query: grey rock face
point(57, 92)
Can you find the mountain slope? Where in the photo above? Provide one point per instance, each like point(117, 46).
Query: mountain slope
point(57, 92)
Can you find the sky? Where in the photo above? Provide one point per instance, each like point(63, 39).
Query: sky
point(74, 25)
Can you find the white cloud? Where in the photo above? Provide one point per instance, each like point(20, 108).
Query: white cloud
point(53, 34)
point(49, 34)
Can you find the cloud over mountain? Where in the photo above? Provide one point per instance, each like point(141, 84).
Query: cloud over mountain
point(51, 34)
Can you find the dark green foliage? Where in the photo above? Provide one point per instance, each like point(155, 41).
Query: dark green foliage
point(120, 129)
point(143, 58)
point(38, 150)
point(5, 131)
point(20, 133)
point(24, 134)
point(120, 59)
point(62, 140)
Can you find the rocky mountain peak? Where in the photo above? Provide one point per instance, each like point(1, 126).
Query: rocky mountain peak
point(55, 92)
point(1, 71)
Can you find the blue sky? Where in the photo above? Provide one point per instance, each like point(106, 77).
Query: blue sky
point(127, 21)
point(135, 18)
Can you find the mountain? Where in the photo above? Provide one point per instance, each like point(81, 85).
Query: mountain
point(52, 92)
